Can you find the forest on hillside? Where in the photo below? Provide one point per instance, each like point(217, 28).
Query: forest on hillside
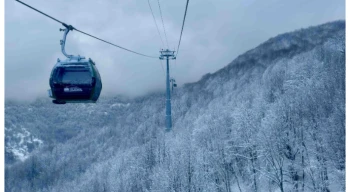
point(272, 120)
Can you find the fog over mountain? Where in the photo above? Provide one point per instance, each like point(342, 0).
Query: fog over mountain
point(215, 32)
point(271, 120)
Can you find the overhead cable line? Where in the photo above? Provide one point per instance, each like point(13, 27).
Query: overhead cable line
point(160, 36)
point(40, 12)
point(161, 15)
point(154, 19)
point(115, 45)
point(183, 23)
point(70, 27)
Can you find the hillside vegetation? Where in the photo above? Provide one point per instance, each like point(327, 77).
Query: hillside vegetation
point(271, 120)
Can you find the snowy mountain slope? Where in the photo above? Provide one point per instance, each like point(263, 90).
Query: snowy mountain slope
point(19, 145)
point(272, 120)
point(42, 122)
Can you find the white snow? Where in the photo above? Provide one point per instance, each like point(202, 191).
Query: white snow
point(21, 154)
point(38, 141)
point(120, 105)
point(19, 148)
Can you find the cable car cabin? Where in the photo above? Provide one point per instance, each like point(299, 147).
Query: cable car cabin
point(75, 81)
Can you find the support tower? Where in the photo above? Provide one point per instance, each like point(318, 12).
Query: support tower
point(167, 54)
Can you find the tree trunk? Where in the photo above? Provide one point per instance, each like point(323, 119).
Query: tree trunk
point(281, 181)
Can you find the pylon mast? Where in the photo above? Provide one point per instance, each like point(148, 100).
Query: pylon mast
point(166, 54)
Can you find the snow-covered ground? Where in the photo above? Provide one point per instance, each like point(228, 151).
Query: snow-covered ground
point(20, 142)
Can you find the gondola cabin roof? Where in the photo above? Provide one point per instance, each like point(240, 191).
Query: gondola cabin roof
point(81, 61)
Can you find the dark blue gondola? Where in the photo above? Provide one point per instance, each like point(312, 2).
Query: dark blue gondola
point(74, 80)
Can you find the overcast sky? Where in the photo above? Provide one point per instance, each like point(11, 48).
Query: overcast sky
point(215, 33)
